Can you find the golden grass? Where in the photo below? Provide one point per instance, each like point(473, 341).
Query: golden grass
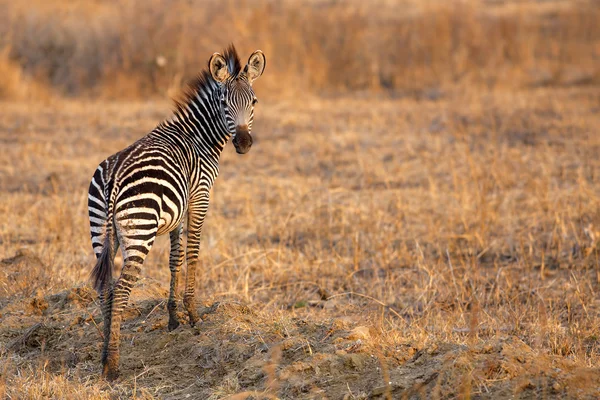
point(133, 48)
point(455, 238)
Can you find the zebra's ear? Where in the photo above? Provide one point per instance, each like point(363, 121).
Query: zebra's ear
point(218, 67)
point(256, 65)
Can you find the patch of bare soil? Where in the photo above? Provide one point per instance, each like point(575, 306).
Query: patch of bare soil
point(240, 351)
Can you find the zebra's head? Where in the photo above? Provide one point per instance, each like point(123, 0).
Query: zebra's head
point(237, 99)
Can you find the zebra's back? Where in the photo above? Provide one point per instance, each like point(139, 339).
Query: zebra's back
point(141, 191)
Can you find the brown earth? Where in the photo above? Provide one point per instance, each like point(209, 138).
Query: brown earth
point(247, 353)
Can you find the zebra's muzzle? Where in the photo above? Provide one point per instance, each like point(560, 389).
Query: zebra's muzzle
point(242, 140)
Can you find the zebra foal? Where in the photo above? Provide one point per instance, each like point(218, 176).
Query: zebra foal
point(146, 189)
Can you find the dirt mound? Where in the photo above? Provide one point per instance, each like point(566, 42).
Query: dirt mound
point(246, 353)
point(502, 368)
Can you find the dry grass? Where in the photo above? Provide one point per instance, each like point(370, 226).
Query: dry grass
point(435, 235)
point(454, 240)
point(134, 48)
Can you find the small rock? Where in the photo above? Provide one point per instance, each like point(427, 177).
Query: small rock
point(556, 387)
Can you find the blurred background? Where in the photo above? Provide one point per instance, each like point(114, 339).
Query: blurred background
point(132, 49)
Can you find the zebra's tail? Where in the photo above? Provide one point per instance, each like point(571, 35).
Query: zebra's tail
point(102, 273)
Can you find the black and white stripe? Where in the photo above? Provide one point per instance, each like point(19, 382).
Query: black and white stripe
point(148, 188)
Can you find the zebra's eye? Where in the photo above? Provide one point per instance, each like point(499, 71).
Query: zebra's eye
point(254, 101)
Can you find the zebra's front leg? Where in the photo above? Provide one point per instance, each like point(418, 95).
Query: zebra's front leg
point(197, 212)
point(175, 262)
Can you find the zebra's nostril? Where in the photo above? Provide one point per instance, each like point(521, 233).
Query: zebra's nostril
point(242, 141)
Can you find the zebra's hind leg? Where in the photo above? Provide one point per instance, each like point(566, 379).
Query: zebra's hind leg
point(175, 262)
point(106, 299)
point(135, 250)
point(105, 296)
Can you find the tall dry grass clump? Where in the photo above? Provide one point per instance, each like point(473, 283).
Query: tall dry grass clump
point(14, 82)
point(135, 48)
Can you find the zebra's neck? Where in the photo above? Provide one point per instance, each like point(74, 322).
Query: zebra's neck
point(201, 121)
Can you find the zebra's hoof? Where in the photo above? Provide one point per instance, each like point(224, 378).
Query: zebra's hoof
point(110, 374)
point(194, 320)
point(173, 324)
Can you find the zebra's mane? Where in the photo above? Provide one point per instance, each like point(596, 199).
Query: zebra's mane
point(204, 82)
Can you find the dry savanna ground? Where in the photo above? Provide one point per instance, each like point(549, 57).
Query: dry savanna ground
point(366, 247)
point(419, 216)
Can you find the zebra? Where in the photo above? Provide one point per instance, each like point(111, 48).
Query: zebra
point(146, 189)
